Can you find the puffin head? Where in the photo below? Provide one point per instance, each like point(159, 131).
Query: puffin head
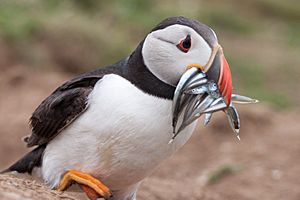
point(178, 44)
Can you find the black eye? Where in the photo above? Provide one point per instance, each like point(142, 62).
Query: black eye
point(185, 44)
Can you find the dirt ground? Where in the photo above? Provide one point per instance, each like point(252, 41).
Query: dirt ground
point(213, 165)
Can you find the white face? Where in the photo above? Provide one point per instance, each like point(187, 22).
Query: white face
point(166, 60)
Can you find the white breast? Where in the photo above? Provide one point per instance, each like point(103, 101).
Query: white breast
point(121, 138)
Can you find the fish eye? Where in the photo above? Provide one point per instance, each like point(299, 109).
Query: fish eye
point(185, 44)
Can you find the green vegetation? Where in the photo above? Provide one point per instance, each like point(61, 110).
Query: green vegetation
point(261, 37)
point(222, 171)
point(16, 23)
point(252, 80)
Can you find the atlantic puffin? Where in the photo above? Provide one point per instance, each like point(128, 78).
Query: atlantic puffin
point(108, 129)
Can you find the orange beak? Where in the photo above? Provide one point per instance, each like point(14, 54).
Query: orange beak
point(219, 71)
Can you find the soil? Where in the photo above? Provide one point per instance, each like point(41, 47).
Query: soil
point(213, 165)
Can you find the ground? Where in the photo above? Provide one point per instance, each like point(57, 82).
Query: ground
point(213, 165)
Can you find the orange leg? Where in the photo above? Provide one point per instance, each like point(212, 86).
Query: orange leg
point(92, 194)
point(90, 185)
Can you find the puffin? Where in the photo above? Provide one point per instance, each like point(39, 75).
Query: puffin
point(108, 129)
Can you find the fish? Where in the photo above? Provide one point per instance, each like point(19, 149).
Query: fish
point(195, 95)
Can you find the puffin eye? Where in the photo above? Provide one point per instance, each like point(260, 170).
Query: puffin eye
point(185, 44)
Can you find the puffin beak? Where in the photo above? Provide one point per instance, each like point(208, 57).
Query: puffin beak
point(219, 71)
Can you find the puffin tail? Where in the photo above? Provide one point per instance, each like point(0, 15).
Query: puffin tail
point(28, 161)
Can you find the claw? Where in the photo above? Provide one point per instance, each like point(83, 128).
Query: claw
point(242, 99)
point(94, 187)
point(233, 118)
point(207, 118)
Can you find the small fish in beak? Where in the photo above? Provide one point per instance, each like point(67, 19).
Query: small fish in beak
point(205, 92)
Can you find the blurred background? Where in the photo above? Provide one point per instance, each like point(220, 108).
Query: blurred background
point(43, 43)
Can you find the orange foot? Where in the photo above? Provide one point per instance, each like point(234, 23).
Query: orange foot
point(91, 186)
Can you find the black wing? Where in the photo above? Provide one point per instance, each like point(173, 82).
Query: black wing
point(65, 104)
point(59, 109)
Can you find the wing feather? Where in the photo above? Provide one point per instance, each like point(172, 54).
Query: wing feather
point(65, 104)
point(60, 109)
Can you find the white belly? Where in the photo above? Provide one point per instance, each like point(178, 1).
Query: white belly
point(120, 139)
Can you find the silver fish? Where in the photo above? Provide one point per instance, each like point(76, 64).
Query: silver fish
point(196, 95)
point(178, 93)
point(207, 118)
point(198, 77)
point(192, 114)
point(234, 120)
point(194, 85)
point(185, 100)
point(199, 90)
point(235, 98)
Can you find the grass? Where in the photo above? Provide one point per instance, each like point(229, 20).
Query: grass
point(252, 82)
point(287, 10)
point(17, 24)
point(224, 19)
point(221, 172)
point(293, 33)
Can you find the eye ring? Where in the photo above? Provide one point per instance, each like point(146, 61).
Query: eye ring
point(185, 44)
